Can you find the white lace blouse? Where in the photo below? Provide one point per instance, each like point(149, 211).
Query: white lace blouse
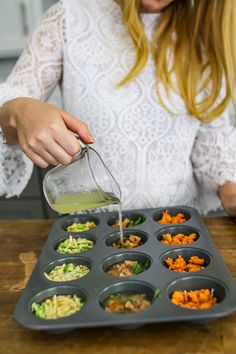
point(158, 158)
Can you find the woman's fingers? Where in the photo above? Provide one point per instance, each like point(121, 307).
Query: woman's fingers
point(227, 193)
point(46, 156)
point(58, 153)
point(53, 153)
point(78, 127)
point(65, 137)
point(44, 144)
point(37, 160)
point(47, 149)
point(67, 140)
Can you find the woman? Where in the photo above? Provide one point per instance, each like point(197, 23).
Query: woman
point(152, 79)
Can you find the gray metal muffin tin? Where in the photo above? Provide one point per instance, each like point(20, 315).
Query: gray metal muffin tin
point(96, 286)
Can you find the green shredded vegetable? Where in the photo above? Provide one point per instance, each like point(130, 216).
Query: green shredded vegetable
point(127, 268)
point(80, 227)
point(141, 267)
point(136, 222)
point(57, 306)
point(125, 297)
point(74, 245)
point(67, 272)
point(156, 294)
point(39, 310)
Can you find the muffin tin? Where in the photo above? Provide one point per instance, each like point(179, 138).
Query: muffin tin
point(96, 286)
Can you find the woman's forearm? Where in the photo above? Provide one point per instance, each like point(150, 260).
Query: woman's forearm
point(9, 131)
point(227, 193)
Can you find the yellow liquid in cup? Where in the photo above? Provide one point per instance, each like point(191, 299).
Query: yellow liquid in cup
point(74, 202)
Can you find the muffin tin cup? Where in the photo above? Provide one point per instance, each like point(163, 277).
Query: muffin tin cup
point(197, 283)
point(177, 229)
point(79, 235)
point(58, 290)
point(115, 236)
point(187, 253)
point(125, 256)
point(134, 215)
point(130, 287)
point(78, 219)
point(96, 284)
point(79, 260)
point(172, 212)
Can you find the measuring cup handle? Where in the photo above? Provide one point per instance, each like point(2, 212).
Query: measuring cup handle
point(83, 145)
point(84, 149)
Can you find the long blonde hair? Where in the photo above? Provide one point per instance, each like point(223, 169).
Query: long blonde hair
point(199, 35)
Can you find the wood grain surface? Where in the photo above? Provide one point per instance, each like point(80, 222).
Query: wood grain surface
point(21, 243)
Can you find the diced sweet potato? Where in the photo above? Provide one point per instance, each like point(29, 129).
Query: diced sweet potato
point(168, 219)
point(180, 265)
point(194, 299)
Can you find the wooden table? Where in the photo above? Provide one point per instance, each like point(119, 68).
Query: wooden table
point(21, 243)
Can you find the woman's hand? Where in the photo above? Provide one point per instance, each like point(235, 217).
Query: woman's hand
point(227, 194)
point(44, 132)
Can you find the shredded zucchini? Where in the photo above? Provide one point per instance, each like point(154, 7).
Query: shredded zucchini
point(67, 272)
point(74, 245)
point(80, 227)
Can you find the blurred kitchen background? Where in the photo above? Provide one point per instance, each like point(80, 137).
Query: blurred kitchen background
point(17, 19)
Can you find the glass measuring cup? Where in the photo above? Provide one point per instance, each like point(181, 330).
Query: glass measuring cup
point(85, 183)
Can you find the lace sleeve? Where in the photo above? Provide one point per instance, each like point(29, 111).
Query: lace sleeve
point(35, 75)
point(214, 159)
